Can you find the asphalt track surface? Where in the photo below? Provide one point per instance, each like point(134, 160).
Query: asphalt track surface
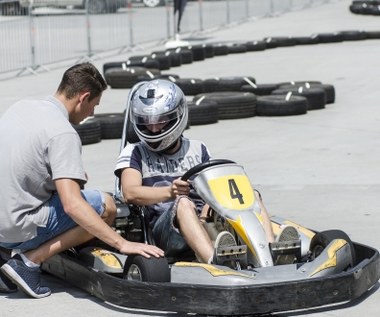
point(320, 169)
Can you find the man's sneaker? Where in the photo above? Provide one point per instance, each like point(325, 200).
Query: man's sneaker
point(6, 285)
point(26, 278)
point(223, 243)
point(289, 233)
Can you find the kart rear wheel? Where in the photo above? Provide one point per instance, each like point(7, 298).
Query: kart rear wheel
point(139, 268)
point(322, 239)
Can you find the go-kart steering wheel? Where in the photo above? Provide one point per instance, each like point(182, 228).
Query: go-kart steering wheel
point(200, 167)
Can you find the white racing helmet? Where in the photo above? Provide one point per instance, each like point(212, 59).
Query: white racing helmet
point(159, 114)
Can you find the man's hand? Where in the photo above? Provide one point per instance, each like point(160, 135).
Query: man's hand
point(180, 187)
point(143, 249)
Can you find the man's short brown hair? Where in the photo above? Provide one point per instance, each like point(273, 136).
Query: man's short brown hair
point(80, 78)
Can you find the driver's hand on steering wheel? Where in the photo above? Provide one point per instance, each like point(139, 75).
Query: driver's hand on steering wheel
point(180, 187)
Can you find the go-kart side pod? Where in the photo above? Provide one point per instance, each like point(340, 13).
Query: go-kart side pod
point(223, 299)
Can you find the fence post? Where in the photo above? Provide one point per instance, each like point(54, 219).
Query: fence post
point(271, 8)
point(32, 67)
point(88, 32)
point(32, 33)
point(200, 15)
point(130, 14)
point(168, 36)
point(228, 11)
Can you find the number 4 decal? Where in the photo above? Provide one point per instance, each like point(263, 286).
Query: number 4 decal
point(234, 191)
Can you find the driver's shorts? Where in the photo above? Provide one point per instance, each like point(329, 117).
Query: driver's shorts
point(166, 234)
point(58, 221)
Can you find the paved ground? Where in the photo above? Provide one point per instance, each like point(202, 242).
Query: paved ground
point(320, 169)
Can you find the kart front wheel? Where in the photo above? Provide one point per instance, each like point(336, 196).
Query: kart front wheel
point(139, 268)
point(322, 239)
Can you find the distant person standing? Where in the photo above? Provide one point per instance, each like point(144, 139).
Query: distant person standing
point(179, 8)
point(43, 209)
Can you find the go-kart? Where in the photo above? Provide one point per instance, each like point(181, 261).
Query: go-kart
point(326, 267)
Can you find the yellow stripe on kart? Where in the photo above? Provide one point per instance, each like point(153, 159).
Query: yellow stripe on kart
point(331, 253)
point(107, 258)
point(233, 192)
point(213, 270)
point(240, 230)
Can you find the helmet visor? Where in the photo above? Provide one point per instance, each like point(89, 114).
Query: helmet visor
point(149, 118)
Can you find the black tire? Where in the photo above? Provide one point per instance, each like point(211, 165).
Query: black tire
point(307, 40)
point(107, 66)
point(232, 83)
point(111, 125)
point(175, 58)
point(280, 41)
point(209, 50)
point(232, 104)
point(255, 46)
point(281, 105)
point(237, 48)
point(316, 97)
point(300, 82)
point(139, 268)
point(189, 86)
point(373, 35)
point(89, 131)
point(374, 10)
point(203, 112)
point(330, 37)
point(270, 42)
point(163, 60)
point(353, 35)
point(260, 89)
point(171, 77)
point(220, 49)
point(329, 89)
point(126, 78)
point(143, 61)
point(322, 239)
point(198, 52)
point(186, 54)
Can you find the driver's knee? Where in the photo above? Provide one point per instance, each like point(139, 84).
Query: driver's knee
point(185, 210)
point(109, 213)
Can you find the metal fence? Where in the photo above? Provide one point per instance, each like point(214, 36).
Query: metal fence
point(34, 37)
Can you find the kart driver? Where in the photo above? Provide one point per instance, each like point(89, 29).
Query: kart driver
point(43, 209)
point(150, 172)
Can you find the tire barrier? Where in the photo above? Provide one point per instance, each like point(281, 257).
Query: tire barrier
point(189, 86)
point(281, 105)
point(328, 89)
point(111, 125)
point(233, 83)
point(205, 112)
point(316, 97)
point(232, 97)
point(368, 7)
point(231, 104)
point(127, 77)
point(89, 131)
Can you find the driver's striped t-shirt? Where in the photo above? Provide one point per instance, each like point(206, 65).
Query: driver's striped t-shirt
point(160, 169)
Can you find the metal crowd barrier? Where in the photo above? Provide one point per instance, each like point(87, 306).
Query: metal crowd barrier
point(33, 37)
